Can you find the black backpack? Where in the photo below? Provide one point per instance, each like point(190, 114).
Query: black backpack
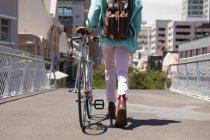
point(116, 22)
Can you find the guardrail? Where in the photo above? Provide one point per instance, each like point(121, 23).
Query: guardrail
point(191, 77)
point(22, 72)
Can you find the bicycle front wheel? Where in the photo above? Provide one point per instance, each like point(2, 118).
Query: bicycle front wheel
point(84, 94)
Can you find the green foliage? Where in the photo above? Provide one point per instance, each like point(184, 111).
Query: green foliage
point(137, 80)
point(147, 80)
point(99, 77)
point(168, 83)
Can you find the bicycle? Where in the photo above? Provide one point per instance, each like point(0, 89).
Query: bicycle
point(84, 79)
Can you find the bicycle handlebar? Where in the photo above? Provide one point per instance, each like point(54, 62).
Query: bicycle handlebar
point(94, 38)
point(72, 39)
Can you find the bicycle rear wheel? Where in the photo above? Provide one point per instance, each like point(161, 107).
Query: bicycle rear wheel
point(84, 94)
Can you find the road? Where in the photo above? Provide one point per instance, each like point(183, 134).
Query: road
point(152, 115)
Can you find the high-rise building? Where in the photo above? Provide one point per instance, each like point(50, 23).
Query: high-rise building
point(140, 58)
point(184, 31)
point(192, 10)
point(206, 9)
point(159, 37)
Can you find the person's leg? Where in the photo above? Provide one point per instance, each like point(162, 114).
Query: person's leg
point(109, 61)
point(122, 63)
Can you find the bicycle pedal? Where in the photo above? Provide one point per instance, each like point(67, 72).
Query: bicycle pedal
point(99, 104)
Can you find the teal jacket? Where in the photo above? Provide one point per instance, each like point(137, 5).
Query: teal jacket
point(96, 17)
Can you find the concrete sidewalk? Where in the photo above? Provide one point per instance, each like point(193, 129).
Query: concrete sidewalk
point(152, 115)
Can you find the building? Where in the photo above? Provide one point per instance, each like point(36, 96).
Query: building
point(206, 9)
point(159, 37)
point(184, 31)
point(155, 63)
point(78, 16)
point(192, 10)
point(140, 58)
point(9, 23)
point(190, 39)
point(170, 58)
point(72, 14)
point(195, 48)
point(40, 31)
point(65, 14)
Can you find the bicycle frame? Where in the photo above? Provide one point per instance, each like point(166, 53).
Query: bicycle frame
point(83, 55)
point(84, 82)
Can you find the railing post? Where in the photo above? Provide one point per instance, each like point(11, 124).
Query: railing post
point(7, 81)
point(187, 75)
point(198, 77)
point(22, 79)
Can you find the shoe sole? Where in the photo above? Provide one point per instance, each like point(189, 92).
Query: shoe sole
point(121, 120)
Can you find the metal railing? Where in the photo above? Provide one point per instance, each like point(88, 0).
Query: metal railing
point(22, 72)
point(191, 76)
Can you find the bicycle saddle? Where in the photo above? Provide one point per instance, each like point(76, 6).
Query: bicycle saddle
point(83, 30)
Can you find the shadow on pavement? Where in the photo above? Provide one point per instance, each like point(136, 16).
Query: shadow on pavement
point(134, 123)
point(96, 127)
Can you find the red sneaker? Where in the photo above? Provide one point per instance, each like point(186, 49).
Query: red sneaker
point(121, 119)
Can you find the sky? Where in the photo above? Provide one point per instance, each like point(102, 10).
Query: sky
point(161, 9)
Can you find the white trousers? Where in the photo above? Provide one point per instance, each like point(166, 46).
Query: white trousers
point(116, 60)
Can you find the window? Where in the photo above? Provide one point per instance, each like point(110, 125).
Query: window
point(181, 39)
point(204, 50)
point(64, 11)
point(197, 51)
point(182, 54)
point(182, 33)
point(60, 11)
point(161, 29)
point(191, 53)
point(67, 11)
point(161, 35)
point(183, 26)
point(66, 20)
point(186, 54)
point(4, 29)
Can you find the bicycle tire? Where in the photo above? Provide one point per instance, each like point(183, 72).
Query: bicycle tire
point(81, 98)
point(85, 101)
point(88, 84)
